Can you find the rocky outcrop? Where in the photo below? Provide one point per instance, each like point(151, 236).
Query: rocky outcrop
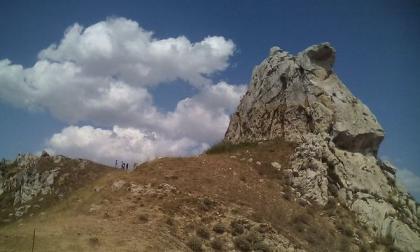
point(21, 181)
point(31, 181)
point(301, 100)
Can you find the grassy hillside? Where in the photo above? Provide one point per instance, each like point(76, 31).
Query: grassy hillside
point(233, 199)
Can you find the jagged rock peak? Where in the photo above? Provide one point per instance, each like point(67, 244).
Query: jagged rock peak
point(292, 95)
point(301, 100)
point(322, 55)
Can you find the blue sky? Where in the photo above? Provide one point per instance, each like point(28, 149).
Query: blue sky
point(378, 54)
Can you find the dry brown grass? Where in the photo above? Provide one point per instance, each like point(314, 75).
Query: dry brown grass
point(210, 189)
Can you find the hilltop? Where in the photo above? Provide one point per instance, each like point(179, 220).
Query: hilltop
point(237, 198)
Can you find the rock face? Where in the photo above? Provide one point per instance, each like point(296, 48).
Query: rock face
point(301, 100)
point(31, 181)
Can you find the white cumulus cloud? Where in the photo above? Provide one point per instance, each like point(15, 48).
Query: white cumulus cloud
point(100, 75)
point(410, 181)
point(121, 48)
point(123, 144)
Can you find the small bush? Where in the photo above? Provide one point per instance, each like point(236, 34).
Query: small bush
point(303, 218)
point(264, 228)
point(253, 237)
point(217, 244)
point(170, 221)
point(206, 204)
point(143, 218)
point(219, 228)
point(242, 243)
point(195, 244)
point(94, 241)
point(300, 227)
point(225, 147)
point(288, 196)
point(262, 246)
point(203, 233)
point(237, 228)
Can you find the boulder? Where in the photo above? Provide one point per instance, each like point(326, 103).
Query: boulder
point(276, 165)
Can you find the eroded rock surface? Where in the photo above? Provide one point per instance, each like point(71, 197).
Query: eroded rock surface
point(301, 99)
point(31, 181)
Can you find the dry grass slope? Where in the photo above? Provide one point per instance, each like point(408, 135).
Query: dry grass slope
point(229, 199)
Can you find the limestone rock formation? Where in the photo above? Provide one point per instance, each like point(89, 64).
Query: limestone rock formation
point(31, 181)
point(301, 100)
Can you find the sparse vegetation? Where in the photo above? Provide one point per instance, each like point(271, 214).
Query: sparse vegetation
point(206, 192)
point(143, 218)
point(225, 147)
point(206, 204)
point(242, 243)
point(346, 229)
point(195, 244)
point(203, 233)
point(93, 241)
point(219, 228)
point(263, 228)
point(237, 227)
point(217, 244)
point(170, 221)
point(288, 195)
point(262, 246)
point(253, 237)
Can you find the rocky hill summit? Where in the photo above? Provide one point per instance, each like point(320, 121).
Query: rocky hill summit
point(301, 100)
point(30, 183)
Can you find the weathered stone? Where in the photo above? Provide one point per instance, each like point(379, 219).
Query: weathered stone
point(32, 180)
point(301, 100)
point(117, 185)
point(284, 99)
point(403, 237)
point(276, 165)
point(387, 166)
